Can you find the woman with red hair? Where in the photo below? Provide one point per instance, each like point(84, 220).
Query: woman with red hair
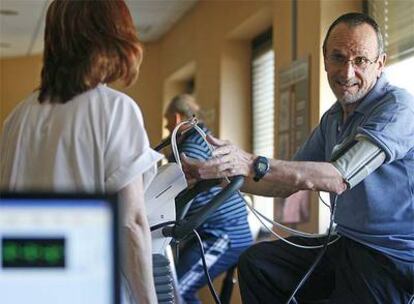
point(77, 134)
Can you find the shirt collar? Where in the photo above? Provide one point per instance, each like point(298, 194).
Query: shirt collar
point(379, 89)
point(374, 95)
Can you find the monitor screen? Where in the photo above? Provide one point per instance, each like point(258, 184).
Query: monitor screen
point(58, 249)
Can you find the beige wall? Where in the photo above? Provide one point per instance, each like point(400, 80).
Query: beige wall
point(18, 78)
point(147, 93)
point(212, 44)
point(213, 37)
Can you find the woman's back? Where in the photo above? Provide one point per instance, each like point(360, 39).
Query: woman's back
point(81, 145)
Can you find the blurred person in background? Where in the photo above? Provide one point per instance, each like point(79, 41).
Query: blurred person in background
point(226, 232)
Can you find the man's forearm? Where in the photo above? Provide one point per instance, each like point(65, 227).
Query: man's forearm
point(265, 188)
point(286, 177)
point(300, 175)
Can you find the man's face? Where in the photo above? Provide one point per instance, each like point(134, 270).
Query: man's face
point(171, 121)
point(351, 80)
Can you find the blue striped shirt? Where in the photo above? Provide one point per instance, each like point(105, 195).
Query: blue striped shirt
point(231, 217)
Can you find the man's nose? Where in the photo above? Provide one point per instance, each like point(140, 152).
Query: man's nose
point(348, 70)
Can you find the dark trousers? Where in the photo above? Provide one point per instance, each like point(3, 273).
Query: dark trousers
point(349, 272)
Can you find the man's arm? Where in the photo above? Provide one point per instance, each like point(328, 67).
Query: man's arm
point(264, 188)
point(283, 179)
point(137, 261)
point(286, 177)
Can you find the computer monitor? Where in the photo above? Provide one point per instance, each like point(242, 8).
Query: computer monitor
point(58, 248)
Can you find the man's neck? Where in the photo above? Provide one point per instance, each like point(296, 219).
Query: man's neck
point(348, 109)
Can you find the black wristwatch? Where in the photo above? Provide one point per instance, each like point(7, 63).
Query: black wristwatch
point(261, 167)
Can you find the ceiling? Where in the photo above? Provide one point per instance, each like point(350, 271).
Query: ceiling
point(22, 22)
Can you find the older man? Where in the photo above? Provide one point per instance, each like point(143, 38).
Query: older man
point(369, 128)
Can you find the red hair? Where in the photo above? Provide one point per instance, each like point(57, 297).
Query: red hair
point(87, 43)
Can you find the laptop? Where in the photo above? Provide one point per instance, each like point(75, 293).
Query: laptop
point(58, 248)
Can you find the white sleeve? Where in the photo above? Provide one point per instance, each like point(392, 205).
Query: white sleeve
point(127, 152)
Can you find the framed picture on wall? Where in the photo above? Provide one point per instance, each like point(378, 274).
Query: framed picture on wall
point(284, 108)
point(284, 146)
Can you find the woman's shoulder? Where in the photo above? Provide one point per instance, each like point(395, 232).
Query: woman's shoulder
point(110, 100)
point(23, 105)
point(104, 92)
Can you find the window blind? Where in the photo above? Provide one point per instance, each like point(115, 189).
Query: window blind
point(263, 97)
point(263, 117)
point(396, 19)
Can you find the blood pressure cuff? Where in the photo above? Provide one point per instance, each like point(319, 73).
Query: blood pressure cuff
point(356, 159)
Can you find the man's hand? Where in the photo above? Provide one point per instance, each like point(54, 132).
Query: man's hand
point(191, 169)
point(228, 160)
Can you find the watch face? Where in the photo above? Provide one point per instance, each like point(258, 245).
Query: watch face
point(261, 166)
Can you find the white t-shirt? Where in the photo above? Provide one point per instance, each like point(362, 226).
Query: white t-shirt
point(96, 142)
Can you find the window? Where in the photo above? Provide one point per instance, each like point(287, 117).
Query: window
point(400, 74)
point(263, 107)
point(396, 19)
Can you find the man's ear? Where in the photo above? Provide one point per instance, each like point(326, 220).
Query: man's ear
point(381, 64)
point(177, 118)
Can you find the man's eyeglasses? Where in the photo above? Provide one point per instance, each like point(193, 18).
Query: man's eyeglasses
point(359, 62)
